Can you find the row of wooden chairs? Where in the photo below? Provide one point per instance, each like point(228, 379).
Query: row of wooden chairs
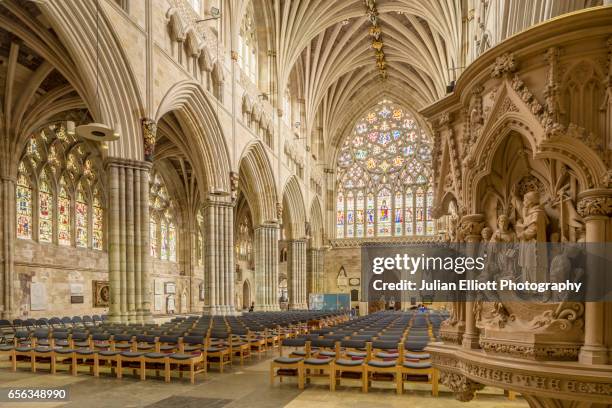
point(366, 361)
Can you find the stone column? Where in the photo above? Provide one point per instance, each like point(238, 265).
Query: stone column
point(296, 272)
point(315, 266)
point(471, 226)
point(595, 206)
point(266, 266)
point(7, 250)
point(219, 254)
point(128, 236)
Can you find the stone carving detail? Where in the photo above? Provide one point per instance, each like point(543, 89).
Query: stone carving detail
point(279, 212)
point(567, 316)
point(463, 388)
point(234, 184)
point(591, 206)
point(149, 135)
point(101, 291)
point(537, 352)
point(549, 381)
point(504, 65)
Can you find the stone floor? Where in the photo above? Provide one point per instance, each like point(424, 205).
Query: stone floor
point(239, 387)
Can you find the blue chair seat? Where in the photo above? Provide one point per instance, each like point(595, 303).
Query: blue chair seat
point(22, 349)
point(65, 351)
point(192, 348)
point(317, 361)
point(62, 343)
point(298, 353)
point(109, 353)
point(214, 349)
point(288, 360)
point(422, 356)
point(181, 356)
point(357, 354)
point(417, 364)
point(156, 355)
point(327, 353)
point(132, 354)
point(81, 343)
point(86, 352)
point(382, 354)
point(349, 363)
point(167, 347)
point(123, 346)
point(6, 347)
point(381, 364)
point(45, 349)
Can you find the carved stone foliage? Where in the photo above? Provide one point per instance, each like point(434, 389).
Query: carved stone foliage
point(463, 388)
point(496, 373)
point(592, 206)
point(504, 65)
point(149, 135)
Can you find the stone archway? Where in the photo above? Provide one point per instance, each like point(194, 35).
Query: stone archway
point(246, 294)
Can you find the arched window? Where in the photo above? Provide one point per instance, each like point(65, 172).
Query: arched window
point(384, 182)
point(24, 204)
point(247, 43)
point(163, 233)
point(45, 209)
point(97, 235)
point(66, 169)
point(80, 217)
point(63, 219)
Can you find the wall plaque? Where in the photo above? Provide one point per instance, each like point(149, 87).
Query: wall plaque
point(38, 296)
point(101, 293)
point(354, 281)
point(170, 288)
point(77, 299)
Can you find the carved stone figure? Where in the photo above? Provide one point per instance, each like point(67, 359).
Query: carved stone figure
point(505, 250)
point(531, 230)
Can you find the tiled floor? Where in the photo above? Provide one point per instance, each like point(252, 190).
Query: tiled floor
point(239, 387)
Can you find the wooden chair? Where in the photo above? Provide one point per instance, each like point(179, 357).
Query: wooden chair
point(288, 366)
point(384, 366)
point(319, 363)
point(221, 353)
point(346, 366)
point(42, 347)
point(134, 360)
point(407, 367)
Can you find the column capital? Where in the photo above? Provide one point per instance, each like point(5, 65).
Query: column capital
point(219, 199)
point(127, 163)
point(595, 202)
point(267, 225)
point(471, 226)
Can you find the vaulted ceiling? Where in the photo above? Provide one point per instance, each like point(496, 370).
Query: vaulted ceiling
point(325, 52)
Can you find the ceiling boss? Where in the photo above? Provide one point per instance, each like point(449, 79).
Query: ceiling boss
point(377, 40)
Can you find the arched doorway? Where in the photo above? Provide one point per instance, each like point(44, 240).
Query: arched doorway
point(246, 294)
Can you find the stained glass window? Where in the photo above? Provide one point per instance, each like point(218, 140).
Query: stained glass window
point(153, 237)
point(387, 155)
point(384, 213)
point(97, 241)
point(350, 215)
point(409, 212)
point(63, 220)
point(163, 232)
point(66, 168)
point(420, 211)
point(359, 215)
point(80, 213)
point(340, 216)
point(45, 210)
point(24, 207)
point(429, 216)
point(398, 213)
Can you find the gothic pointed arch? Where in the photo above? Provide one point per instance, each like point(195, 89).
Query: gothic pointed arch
point(316, 224)
point(256, 181)
point(201, 137)
point(294, 212)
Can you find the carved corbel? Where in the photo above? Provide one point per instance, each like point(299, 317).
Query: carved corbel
point(463, 387)
point(149, 136)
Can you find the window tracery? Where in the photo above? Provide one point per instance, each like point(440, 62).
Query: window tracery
point(59, 190)
point(384, 183)
point(162, 223)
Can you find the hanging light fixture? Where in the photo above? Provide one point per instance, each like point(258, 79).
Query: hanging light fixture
point(98, 132)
